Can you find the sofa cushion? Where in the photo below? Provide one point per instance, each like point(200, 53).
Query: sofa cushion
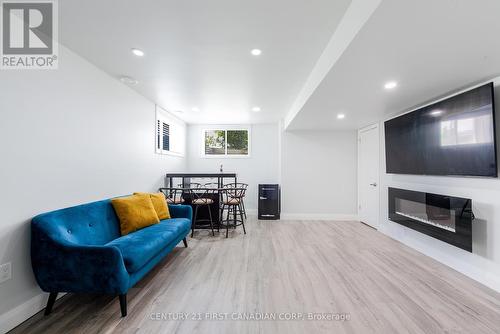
point(178, 225)
point(139, 247)
point(160, 204)
point(135, 212)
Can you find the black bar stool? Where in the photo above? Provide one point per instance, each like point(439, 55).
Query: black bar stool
point(215, 186)
point(173, 195)
point(242, 186)
point(201, 197)
point(211, 185)
point(231, 200)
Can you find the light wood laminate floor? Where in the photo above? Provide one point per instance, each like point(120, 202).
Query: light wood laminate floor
point(285, 268)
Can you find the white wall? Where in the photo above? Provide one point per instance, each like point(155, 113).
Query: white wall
point(67, 137)
point(261, 167)
point(483, 264)
point(319, 174)
point(323, 160)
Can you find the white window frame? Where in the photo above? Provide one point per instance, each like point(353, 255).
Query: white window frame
point(225, 155)
point(177, 126)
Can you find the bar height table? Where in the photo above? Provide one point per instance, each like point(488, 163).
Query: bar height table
point(184, 176)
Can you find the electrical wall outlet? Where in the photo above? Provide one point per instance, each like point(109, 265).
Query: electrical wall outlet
point(5, 272)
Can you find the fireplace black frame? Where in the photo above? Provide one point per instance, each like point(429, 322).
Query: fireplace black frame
point(461, 237)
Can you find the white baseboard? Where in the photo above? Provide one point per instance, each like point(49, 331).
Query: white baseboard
point(311, 216)
point(23, 312)
point(319, 216)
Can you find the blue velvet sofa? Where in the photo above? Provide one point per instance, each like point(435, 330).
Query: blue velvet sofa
point(80, 249)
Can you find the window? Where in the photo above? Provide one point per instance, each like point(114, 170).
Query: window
point(237, 142)
point(229, 142)
point(170, 134)
point(215, 142)
point(166, 137)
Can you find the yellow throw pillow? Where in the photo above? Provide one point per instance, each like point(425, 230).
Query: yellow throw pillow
point(134, 212)
point(159, 203)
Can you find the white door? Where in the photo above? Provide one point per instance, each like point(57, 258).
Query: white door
point(368, 175)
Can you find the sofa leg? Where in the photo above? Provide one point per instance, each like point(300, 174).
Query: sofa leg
point(123, 304)
point(50, 303)
point(185, 242)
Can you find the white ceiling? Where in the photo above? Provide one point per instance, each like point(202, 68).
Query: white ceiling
point(430, 47)
point(320, 57)
point(198, 52)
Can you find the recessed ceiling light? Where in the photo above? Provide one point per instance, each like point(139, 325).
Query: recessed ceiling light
point(340, 116)
point(137, 52)
point(179, 111)
point(436, 112)
point(390, 85)
point(256, 52)
point(256, 109)
point(128, 80)
point(195, 109)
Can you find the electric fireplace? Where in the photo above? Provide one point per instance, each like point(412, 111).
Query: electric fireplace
point(443, 217)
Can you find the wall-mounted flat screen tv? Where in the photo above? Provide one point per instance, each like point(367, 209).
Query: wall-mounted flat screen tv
point(455, 136)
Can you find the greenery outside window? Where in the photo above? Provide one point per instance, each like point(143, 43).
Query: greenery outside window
point(226, 142)
point(215, 142)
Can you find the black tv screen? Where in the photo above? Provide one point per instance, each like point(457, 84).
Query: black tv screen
point(455, 136)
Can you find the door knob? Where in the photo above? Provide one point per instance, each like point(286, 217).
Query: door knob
point(374, 184)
